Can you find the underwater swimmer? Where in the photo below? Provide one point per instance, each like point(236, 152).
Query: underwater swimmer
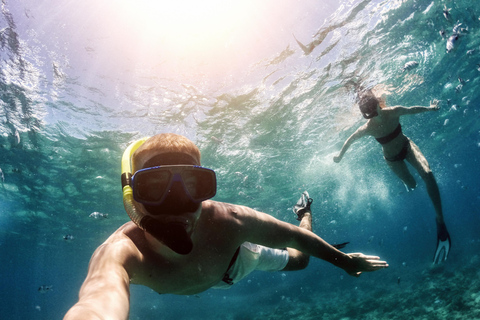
point(179, 242)
point(384, 125)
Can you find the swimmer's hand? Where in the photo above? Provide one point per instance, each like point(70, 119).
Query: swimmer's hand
point(362, 263)
point(434, 105)
point(337, 159)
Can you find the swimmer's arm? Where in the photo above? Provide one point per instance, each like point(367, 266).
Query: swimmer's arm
point(105, 292)
point(401, 111)
point(361, 132)
point(266, 230)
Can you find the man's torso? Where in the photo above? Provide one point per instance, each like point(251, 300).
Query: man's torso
point(215, 242)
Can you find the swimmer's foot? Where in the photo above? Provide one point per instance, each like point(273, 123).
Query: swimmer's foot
point(303, 205)
point(443, 244)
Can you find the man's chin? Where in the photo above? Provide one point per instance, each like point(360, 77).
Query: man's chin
point(174, 235)
point(186, 219)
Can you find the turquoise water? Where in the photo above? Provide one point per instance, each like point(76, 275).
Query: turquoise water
point(80, 80)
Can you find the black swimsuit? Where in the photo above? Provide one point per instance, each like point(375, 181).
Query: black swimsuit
point(402, 154)
point(391, 136)
point(405, 149)
point(226, 275)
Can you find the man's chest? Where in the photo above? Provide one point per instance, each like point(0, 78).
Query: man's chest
point(187, 275)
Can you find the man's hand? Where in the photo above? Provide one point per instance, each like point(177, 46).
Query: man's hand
point(362, 263)
point(435, 104)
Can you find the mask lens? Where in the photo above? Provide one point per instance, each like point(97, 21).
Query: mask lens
point(151, 186)
point(200, 183)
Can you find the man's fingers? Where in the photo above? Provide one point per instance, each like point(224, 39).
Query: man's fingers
point(378, 264)
point(371, 257)
point(375, 262)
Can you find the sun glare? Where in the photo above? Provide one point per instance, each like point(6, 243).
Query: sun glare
point(187, 24)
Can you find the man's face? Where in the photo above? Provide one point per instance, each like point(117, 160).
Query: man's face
point(177, 206)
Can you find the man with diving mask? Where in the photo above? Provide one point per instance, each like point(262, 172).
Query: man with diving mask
point(180, 242)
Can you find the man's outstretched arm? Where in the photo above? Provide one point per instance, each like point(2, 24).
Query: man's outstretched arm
point(105, 292)
point(264, 229)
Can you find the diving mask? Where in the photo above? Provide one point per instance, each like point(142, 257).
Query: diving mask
point(151, 185)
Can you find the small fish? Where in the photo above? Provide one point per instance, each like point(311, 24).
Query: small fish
point(459, 88)
point(45, 289)
point(217, 140)
point(98, 215)
point(17, 137)
point(451, 42)
point(442, 33)
point(446, 12)
point(2, 176)
point(340, 245)
point(470, 52)
point(68, 237)
point(410, 65)
point(457, 28)
point(478, 66)
point(398, 280)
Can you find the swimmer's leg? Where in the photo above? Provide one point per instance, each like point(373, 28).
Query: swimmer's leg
point(298, 260)
point(419, 162)
point(401, 170)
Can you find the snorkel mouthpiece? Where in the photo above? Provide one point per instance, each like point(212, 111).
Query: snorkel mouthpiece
point(370, 115)
point(173, 235)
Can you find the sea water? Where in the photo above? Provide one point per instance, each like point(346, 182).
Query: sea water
point(80, 80)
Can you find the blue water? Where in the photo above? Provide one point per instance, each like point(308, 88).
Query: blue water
point(80, 80)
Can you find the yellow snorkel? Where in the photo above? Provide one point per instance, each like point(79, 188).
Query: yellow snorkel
point(127, 173)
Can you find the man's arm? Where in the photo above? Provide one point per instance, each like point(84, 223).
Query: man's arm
point(361, 132)
point(105, 292)
point(401, 111)
point(264, 229)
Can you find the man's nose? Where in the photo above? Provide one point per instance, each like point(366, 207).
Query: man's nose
point(178, 192)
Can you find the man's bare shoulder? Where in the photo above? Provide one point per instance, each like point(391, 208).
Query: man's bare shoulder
point(233, 217)
point(122, 233)
point(393, 111)
point(122, 245)
point(226, 211)
point(222, 221)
